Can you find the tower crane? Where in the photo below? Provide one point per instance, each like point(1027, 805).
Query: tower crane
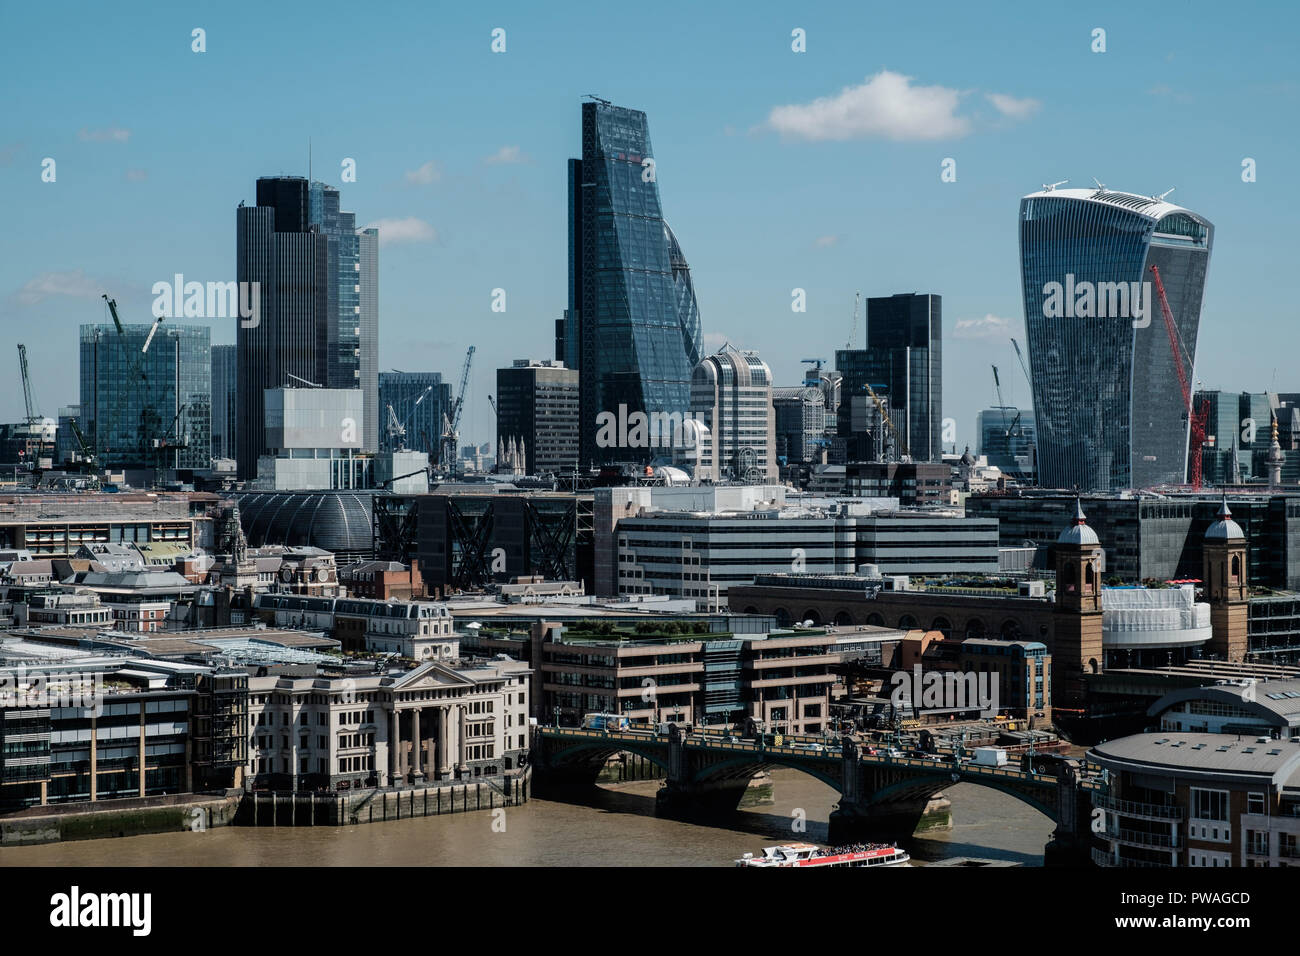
point(1197, 419)
point(34, 423)
point(451, 423)
point(889, 423)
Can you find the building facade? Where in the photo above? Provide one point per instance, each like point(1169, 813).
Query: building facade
point(537, 406)
point(277, 248)
point(352, 327)
point(419, 401)
point(632, 329)
point(225, 405)
point(799, 417)
point(150, 409)
point(731, 394)
point(1107, 402)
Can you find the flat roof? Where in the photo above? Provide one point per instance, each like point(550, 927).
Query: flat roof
point(1210, 753)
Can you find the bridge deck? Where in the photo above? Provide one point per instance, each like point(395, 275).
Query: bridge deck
point(713, 743)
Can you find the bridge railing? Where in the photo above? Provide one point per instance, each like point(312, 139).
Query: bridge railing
point(715, 742)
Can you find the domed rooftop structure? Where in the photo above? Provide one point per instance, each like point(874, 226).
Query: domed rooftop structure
point(334, 521)
point(1225, 529)
point(1078, 533)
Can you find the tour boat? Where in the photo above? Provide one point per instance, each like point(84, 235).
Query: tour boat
point(806, 854)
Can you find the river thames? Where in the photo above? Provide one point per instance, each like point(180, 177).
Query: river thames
point(611, 827)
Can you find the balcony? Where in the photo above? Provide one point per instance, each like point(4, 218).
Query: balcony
point(1103, 858)
point(1142, 811)
point(1162, 841)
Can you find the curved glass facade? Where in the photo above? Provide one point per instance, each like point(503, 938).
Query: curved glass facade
point(633, 326)
point(1108, 407)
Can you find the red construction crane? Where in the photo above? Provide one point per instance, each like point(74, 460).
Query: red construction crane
point(1197, 419)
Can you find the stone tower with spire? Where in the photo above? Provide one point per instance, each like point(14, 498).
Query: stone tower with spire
point(1224, 574)
point(1077, 642)
point(1275, 459)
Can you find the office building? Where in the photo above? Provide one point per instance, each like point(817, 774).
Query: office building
point(313, 440)
point(286, 345)
point(1007, 438)
point(632, 329)
point(419, 401)
point(1107, 401)
point(701, 555)
point(225, 406)
point(1153, 537)
point(903, 364)
point(1239, 438)
point(537, 406)
point(352, 329)
point(66, 446)
point(147, 409)
point(731, 395)
point(799, 416)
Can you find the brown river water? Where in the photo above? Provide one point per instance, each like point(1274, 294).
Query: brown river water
point(611, 827)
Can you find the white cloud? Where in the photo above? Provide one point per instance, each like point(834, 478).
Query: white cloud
point(507, 155)
point(75, 284)
point(1012, 107)
point(885, 106)
point(430, 172)
point(112, 134)
point(989, 327)
point(410, 229)
point(825, 242)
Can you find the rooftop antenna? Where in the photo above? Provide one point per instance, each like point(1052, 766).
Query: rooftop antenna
point(1101, 187)
point(1048, 189)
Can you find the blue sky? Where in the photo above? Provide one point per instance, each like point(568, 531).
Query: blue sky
point(778, 170)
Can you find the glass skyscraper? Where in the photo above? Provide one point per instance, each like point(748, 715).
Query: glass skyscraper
point(1108, 407)
point(632, 328)
point(224, 405)
point(423, 421)
point(903, 364)
point(352, 332)
point(147, 409)
point(277, 247)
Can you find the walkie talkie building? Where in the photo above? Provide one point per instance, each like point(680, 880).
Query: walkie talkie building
point(1108, 405)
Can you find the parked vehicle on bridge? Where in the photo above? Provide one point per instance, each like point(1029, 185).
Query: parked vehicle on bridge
point(605, 722)
point(809, 747)
point(990, 757)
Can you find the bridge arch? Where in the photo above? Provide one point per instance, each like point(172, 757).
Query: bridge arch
point(744, 767)
point(925, 785)
point(594, 751)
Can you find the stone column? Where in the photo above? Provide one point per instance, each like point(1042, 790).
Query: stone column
point(444, 741)
point(417, 773)
point(394, 738)
point(94, 760)
point(142, 749)
point(460, 740)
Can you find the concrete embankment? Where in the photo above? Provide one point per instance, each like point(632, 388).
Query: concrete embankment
point(117, 818)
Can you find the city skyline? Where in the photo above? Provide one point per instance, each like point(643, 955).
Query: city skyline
point(850, 202)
